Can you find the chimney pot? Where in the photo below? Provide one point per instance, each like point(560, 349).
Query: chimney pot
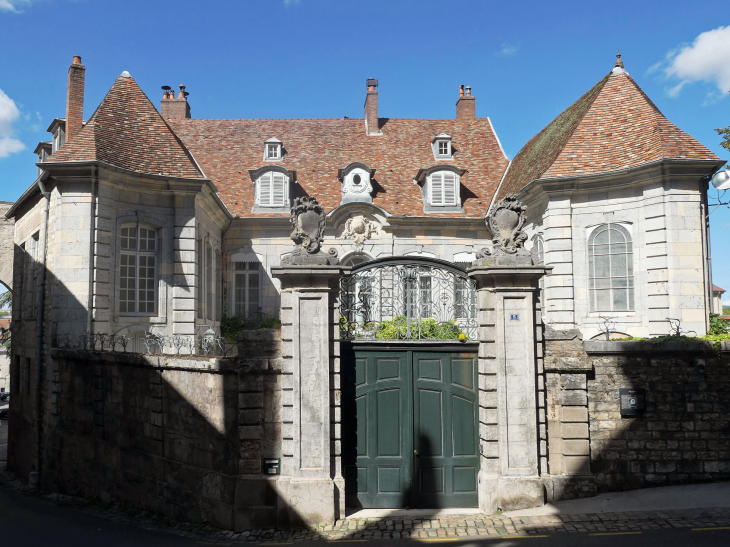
point(75, 98)
point(175, 108)
point(466, 105)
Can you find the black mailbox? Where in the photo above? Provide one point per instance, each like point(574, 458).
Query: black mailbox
point(633, 401)
point(272, 466)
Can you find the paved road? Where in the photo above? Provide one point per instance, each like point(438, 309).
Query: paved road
point(29, 522)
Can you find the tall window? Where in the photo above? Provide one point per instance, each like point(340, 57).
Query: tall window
point(271, 189)
point(247, 279)
point(209, 281)
point(443, 188)
point(611, 269)
point(538, 247)
point(138, 270)
point(218, 286)
point(199, 276)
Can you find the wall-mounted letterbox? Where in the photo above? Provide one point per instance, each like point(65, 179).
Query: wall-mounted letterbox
point(272, 466)
point(633, 401)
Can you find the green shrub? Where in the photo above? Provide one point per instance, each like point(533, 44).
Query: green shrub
point(397, 329)
point(718, 325)
point(231, 327)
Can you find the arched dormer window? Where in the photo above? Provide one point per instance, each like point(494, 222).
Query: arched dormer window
point(356, 183)
point(441, 188)
point(138, 269)
point(272, 189)
point(610, 268)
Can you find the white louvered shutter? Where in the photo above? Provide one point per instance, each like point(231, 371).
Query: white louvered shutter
point(265, 189)
point(278, 189)
point(437, 189)
point(449, 189)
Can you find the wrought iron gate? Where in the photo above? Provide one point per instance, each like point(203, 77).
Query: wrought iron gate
point(407, 298)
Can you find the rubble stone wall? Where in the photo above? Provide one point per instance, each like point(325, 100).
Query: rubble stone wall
point(683, 436)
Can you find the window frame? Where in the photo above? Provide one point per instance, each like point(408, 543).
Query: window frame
point(246, 272)
point(611, 287)
point(277, 146)
point(137, 253)
point(284, 205)
point(457, 189)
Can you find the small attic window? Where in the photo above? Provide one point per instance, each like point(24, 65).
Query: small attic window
point(272, 150)
point(441, 146)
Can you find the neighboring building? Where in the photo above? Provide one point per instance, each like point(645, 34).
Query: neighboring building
point(717, 293)
point(143, 220)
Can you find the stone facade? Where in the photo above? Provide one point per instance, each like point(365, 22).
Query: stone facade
point(6, 248)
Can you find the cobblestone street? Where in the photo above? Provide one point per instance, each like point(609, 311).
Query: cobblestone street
point(442, 528)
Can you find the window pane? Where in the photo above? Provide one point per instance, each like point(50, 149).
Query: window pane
point(617, 235)
point(253, 292)
point(618, 265)
point(601, 266)
point(129, 238)
point(146, 284)
point(601, 236)
point(603, 300)
point(239, 298)
point(620, 299)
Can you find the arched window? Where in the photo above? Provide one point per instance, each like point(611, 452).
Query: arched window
point(610, 269)
point(138, 270)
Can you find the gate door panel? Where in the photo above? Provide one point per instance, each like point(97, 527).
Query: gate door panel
point(376, 433)
point(445, 433)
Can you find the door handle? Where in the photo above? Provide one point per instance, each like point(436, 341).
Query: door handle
point(415, 452)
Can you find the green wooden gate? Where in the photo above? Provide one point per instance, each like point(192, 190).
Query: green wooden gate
point(409, 428)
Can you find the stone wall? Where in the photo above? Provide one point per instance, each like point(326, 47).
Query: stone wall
point(682, 437)
point(6, 248)
point(181, 435)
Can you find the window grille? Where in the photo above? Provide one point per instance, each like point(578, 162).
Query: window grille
point(611, 269)
point(138, 270)
point(444, 148)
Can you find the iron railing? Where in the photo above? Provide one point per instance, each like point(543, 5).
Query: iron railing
point(409, 298)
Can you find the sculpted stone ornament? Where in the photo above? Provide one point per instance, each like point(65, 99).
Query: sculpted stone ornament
point(307, 218)
point(358, 229)
point(505, 221)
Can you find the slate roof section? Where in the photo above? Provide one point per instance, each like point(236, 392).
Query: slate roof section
point(613, 126)
point(317, 148)
point(127, 131)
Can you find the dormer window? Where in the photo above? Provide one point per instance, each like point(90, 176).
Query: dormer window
point(356, 183)
point(272, 189)
point(441, 188)
point(272, 150)
point(441, 146)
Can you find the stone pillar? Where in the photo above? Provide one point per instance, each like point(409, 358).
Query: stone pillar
point(511, 396)
point(311, 487)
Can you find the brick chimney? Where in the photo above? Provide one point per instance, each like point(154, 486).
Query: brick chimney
point(172, 107)
point(75, 98)
point(465, 106)
point(371, 109)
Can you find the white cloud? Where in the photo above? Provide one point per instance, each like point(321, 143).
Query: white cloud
point(507, 50)
point(707, 59)
point(14, 5)
point(9, 113)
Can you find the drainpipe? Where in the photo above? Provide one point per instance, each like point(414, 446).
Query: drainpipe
point(34, 477)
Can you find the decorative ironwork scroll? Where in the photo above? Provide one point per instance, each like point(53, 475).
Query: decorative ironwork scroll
point(408, 298)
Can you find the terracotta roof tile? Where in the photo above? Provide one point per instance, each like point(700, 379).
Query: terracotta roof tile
point(127, 131)
point(613, 126)
point(316, 148)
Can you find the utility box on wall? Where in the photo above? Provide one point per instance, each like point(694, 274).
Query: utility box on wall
point(633, 401)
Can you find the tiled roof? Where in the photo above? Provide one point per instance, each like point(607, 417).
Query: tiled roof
point(227, 149)
point(613, 126)
point(715, 288)
point(127, 131)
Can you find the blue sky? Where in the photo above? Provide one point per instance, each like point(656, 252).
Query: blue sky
point(525, 61)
